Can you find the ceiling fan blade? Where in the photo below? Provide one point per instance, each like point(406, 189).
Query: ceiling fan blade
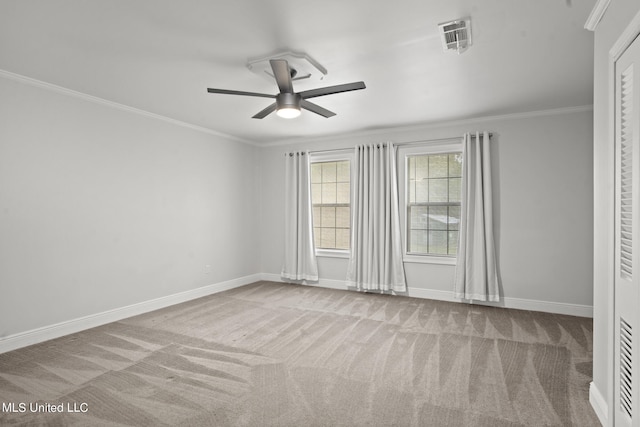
point(264, 113)
point(282, 74)
point(332, 89)
point(239, 92)
point(316, 109)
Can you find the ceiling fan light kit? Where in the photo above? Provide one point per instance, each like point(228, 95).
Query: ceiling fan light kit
point(288, 104)
point(288, 112)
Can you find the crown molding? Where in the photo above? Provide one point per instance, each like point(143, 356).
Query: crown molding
point(101, 101)
point(362, 133)
point(431, 125)
point(626, 38)
point(596, 14)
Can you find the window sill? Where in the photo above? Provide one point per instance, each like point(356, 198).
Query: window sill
point(330, 253)
point(429, 259)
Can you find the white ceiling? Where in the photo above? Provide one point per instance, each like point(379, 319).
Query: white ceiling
point(161, 55)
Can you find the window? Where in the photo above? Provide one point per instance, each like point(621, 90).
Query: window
point(433, 203)
point(331, 197)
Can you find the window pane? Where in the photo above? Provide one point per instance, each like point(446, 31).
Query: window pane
point(328, 217)
point(316, 193)
point(418, 241)
point(433, 191)
point(438, 218)
point(329, 193)
point(454, 189)
point(438, 190)
point(438, 242)
point(412, 191)
point(342, 217)
point(455, 164)
point(316, 236)
point(422, 191)
point(343, 172)
point(411, 167)
point(316, 173)
point(329, 172)
point(453, 243)
point(342, 195)
point(328, 238)
point(419, 218)
point(454, 217)
point(317, 216)
point(438, 165)
point(422, 167)
point(342, 238)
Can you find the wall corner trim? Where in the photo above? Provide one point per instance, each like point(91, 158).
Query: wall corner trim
point(596, 14)
point(598, 403)
point(35, 336)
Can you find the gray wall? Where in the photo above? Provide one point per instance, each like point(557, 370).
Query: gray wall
point(542, 195)
point(101, 208)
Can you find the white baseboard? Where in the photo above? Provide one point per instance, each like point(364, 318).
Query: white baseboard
point(34, 336)
point(517, 303)
point(507, 302)
point(599, 404)
point(23, 339)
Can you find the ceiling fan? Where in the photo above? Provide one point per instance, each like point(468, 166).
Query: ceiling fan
point(288, 103)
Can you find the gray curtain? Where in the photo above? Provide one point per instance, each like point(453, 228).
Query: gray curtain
point(376, 263)
point(476, 270)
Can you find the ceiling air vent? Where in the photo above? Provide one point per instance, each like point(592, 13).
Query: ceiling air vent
point(455, 35)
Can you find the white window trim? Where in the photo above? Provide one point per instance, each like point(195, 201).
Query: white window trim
point(333, 253)
point(338, 155)
point(403, 155)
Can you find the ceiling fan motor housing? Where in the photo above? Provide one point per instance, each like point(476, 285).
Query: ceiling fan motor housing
point(288, 100)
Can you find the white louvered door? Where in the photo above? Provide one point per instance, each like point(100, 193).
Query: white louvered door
point(627, 237)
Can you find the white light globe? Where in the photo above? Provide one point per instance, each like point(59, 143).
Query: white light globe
point(288, 113)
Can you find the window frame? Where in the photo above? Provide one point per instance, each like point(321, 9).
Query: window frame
point(404, 152)
point(335, 157)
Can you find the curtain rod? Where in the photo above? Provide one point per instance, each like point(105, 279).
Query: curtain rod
point(399, 144)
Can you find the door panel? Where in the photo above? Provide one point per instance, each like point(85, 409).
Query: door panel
point(627, 227)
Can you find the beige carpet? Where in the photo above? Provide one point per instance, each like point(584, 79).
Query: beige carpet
point(271, 354)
